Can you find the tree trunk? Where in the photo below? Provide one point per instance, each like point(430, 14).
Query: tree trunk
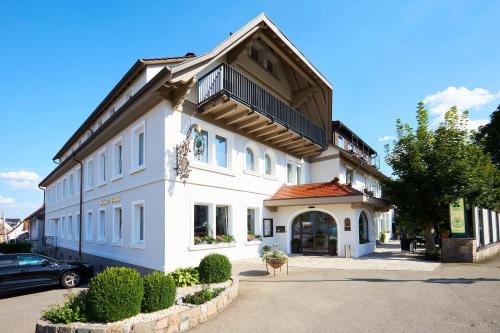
point(429, 238)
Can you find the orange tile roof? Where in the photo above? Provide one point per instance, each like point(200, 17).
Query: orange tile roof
point(329, 189)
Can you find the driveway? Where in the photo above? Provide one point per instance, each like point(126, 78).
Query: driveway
point(452, 298)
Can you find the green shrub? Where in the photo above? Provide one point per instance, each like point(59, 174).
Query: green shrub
point(73, 309)
point(382, 237)
point(159, 292)
point(202, 296)
point(19, 247)
point(266, 248)
point(115, 294)
point(184, 277)
point(215, 268)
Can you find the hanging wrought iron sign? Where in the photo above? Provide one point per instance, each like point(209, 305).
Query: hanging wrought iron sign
point(183, 150)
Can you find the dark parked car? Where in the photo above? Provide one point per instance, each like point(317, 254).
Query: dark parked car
point(25, 270)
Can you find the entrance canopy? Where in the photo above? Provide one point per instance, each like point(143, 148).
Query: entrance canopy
point(322, 193)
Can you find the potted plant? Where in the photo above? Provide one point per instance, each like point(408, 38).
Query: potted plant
point(332, 247)
point(275, 259)
point(320, 238)
point(266, 249)
point(295, 245)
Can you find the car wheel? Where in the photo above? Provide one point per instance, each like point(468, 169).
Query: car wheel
point(70, 279)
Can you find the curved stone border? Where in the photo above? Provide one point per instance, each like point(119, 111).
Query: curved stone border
point(174, 319)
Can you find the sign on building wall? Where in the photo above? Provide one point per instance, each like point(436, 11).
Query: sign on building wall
point(457, 217)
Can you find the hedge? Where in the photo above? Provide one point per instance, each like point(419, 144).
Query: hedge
point(19, 247)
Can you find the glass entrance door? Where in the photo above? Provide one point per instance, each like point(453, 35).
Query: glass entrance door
point(314, 229)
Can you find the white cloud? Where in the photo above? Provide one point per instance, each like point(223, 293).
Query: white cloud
point(463, 98)
point(6, 200)
point(385, 138)
point(21, 179)
point(474, 124)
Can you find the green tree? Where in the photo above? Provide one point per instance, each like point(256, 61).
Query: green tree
point(488, 136)
point(431, 167)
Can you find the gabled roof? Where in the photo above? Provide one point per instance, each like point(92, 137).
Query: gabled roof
point(317, 190)
point(260, 22)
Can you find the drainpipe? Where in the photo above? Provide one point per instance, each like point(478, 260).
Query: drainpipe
point(44, 215)
point(81, 207)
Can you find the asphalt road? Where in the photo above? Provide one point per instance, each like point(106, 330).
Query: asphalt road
point(453, 298)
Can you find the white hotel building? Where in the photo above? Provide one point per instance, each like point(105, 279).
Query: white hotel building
point(264, 163)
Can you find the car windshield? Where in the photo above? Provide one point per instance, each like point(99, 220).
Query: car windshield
point(25, 260)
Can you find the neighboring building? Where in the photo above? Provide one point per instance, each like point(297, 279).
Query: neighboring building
point(120, 194)
point(12, 230)
point(35, 224)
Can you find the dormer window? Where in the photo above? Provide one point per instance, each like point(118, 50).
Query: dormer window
point(270, 66)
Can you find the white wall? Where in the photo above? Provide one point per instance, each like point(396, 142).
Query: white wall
point(145, 184)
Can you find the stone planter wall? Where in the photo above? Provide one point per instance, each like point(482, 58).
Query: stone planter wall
point(177, 318)
point(465, 250)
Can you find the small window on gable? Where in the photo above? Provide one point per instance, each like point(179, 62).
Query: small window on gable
point(270, 66)
point(254, 53)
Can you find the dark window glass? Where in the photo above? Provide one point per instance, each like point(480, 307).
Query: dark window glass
point(254, 53)
point(363, 229)
point(221, 220)
point(200, 221)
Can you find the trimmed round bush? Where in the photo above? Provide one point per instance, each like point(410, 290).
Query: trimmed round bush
point(159, 292)
point(215, 268)
point(115, 294)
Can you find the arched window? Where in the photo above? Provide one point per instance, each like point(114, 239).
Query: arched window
point(363, 229)
point(268, 164)
point(250, 160)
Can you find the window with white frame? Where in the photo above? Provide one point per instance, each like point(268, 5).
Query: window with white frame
point(65, 188)
point(221, 151)
point(201, 156)
point(117, 224)
point(78, 180)
point(138, 225)
point(71, 185)
point(289, 173)
point(59, 191)
point(89, 226)
point(268, 164)
point(90, 173)
point(101, 225)
point(298, 178)
point(69, 231)
point(221, 220)
point(250, 164)
point(349, 176)
point(252, 229)
point(102, 166)
point(62, 228)
point(118, 158)
point(201, 222)
point(76, 229)
point(138, 146)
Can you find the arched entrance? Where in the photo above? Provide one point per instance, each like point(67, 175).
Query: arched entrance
point(313, 231)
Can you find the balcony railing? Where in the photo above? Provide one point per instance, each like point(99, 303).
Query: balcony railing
point(225, 80)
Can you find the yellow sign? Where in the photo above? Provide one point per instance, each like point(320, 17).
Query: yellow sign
point(104, 202)
point(457, 217)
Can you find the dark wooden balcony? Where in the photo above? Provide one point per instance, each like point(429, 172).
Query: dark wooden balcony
point(231, 99)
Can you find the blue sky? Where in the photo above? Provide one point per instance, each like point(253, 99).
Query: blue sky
point(59, 59)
